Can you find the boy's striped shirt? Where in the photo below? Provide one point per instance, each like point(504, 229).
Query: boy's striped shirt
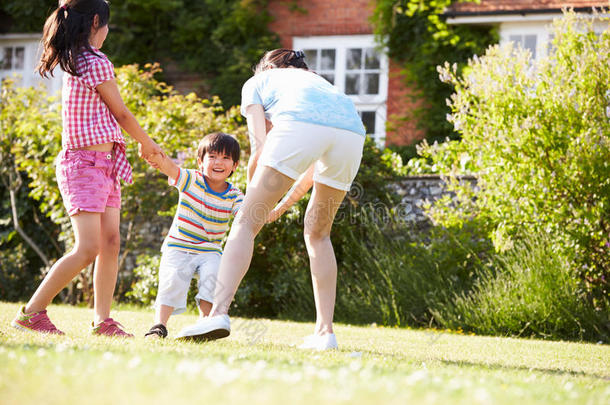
point(202, 217)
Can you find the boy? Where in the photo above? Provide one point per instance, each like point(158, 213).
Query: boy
point(193, 245)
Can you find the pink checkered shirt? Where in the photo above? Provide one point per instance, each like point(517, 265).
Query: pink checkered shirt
point(86, 118)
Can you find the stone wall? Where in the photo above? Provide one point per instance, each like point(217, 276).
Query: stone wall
point(417, 190)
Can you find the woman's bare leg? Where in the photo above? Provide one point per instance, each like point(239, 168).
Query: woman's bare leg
point(321, 211)
point(265, 190)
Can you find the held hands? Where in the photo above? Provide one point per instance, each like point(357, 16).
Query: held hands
point(151, 152)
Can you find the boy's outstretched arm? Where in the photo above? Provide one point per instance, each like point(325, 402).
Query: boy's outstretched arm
point(296, 192)
point(165, 165)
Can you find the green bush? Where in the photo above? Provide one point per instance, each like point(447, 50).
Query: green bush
point(529, 290)
point(537, 134)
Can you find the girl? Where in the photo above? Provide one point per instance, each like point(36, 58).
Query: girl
point(317, 137)
point(91, 162)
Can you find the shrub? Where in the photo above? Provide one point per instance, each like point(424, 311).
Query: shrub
point(538, 136)
point(529, 290)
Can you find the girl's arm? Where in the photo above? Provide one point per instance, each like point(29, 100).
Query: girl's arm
point(109, 92)
point(296, 192)
point(255, 117)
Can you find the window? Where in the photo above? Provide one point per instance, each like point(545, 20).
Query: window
point(362, 71)
point(525, 42)
point(12, 58)
point(322, 61)
point(356, 67)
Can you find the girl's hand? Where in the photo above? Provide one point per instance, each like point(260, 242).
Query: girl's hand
point(149, 148)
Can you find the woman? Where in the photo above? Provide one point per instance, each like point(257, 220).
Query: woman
point(317, 138)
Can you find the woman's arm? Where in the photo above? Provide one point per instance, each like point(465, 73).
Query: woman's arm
point(296, 192)
point(109, 92)
point(255, 117)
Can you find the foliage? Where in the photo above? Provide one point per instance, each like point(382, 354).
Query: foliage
point(529, 290)
point(24, 115)
point(31, 139)
point(417, 36)
point(538, 135)
point(218, 40)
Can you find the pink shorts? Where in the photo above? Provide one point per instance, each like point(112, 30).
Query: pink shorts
point(87, 180)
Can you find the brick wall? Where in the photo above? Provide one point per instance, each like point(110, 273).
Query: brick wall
point(344, 17)
point(508, 5)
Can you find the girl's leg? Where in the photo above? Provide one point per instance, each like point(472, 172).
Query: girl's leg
point(319, 218)
point(86, 227)
point(106, 263)
point(265, 190)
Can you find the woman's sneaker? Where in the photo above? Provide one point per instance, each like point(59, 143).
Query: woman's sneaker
point(208, 328)
point(35, 322)
point(319, 342)
point(109, 327)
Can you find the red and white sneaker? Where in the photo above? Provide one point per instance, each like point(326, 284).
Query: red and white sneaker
point(109, 327)
point(35, 322)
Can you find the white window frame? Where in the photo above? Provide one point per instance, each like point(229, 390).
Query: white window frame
point(363, 102)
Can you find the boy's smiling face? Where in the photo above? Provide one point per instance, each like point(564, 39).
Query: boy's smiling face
point(216, 166)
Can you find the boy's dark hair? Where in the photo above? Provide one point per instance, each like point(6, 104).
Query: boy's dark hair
point(66, 34)
point(281, 58)
point(221, 143)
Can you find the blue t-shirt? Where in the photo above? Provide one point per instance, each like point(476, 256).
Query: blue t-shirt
point(299, 95)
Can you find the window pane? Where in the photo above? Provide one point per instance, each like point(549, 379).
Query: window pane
point(371, 59)
point(371, 81)
point(354, 58)
point(530, 43)
point(311, 58)
point(329, 76)
point(7, 57)
point(19, 55)
point(352, 83)
point(327, 61)
point(516, 39)
point(368, 119)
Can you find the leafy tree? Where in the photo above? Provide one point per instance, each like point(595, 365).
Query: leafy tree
point(220, 40)
point(417, 36)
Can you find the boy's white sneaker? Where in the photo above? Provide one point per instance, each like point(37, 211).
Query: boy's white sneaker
point(319, 342)
point(208, 328)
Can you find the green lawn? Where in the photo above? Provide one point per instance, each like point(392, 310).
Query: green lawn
point(258, 364)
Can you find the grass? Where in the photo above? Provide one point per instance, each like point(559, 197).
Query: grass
point(258, 364)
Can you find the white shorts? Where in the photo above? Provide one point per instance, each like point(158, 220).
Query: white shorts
point(292, 146)
point(176, 271)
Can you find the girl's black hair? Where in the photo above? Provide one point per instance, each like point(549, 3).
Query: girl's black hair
point(281, 58)
point(66, 34)
point(219, 142)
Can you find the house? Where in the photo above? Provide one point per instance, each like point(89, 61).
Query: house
point(19, 55)
point(338, 40)
point(524, 22)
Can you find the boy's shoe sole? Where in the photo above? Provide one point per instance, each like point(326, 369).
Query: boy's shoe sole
point(206, 337)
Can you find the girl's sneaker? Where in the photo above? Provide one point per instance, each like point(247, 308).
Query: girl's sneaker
point(109, 327)
point(320, 342)
point(35, 322)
